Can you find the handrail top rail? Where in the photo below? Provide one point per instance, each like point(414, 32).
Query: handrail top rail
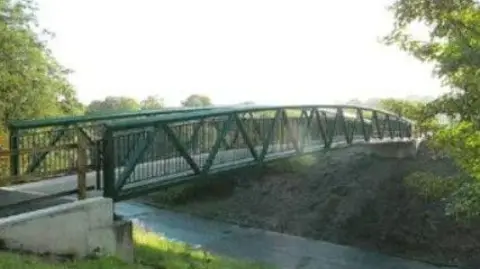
point(65, 120)
point(195, 115)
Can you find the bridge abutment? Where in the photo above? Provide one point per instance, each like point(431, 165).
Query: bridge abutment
point(81, 228)
point(394, 150)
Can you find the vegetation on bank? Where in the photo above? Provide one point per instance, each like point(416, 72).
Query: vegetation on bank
point(151, 252)
point(453, 46)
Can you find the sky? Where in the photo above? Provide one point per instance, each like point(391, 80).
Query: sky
point(266, 51)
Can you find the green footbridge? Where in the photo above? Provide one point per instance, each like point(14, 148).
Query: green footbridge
point(132, 154)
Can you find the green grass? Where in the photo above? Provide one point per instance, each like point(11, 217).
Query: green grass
point(151, 252)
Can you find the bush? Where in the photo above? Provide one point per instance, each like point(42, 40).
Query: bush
point(464, 204)
point(461, 195)
point(432, 187)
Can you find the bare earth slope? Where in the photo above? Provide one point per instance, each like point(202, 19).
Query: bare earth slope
point(343, 196)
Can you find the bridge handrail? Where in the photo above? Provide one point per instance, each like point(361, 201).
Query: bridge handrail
point(59, 121)
point(195, 115)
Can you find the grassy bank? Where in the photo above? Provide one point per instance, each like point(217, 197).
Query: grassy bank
point(151, 252)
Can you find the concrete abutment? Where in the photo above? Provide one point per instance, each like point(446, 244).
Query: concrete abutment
point(394, 150)
point(80, 228)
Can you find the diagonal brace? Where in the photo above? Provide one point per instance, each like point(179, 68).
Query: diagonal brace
point(136, 155)
point(180, 148)
point(38, 159)
point(218, 142)
point(246, 138)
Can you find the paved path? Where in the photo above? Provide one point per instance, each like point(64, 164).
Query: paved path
point(285, 251)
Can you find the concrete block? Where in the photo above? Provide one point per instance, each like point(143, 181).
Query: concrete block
point(124, 240)
point(64, 229)
point(60, 234)
point(100, 213)
point(101, 241)
point(394, 149)
point(115, 240)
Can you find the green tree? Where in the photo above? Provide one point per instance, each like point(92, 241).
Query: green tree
point(33, 84)
point(453, 46)
point(197, 100)
point(113, 104)
point(152, 102)
point(413, 110)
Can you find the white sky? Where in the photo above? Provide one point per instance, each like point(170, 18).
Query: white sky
point(266, 51)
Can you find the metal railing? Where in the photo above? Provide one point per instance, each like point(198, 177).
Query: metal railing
point(32, 143)
point(144, 155)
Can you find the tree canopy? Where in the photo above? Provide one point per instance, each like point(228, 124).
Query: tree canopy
point(152, 102)
point(113, 104)
point(197, 100)
point(453, 46)
point(34, 84)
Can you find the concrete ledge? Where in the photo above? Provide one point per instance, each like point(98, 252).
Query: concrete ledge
point(394, 149)
point(81, 228)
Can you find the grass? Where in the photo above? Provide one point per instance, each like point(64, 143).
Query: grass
point(151, 252)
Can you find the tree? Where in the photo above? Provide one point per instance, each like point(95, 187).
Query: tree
point(152, 102)
point(33, 84)
point(453, 46)
point(404, 108)
point(112, 104)
point(197, 100)
point(412, 110)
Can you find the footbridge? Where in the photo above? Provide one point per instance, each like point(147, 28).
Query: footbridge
point(127, 155)
point(51, 166)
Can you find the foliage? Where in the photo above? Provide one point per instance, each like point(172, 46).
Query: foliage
point(197, 100)
point(462, 142)
point(413, 110)
point(151, 251)
point(152, 102)
point(465, 202)
point(34, 84)
point(432, 187)
point(453, 45)
point(113, 104)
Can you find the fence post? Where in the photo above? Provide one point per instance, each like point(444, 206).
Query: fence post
point(14, 148)
point(82, 167)
point(109, 165)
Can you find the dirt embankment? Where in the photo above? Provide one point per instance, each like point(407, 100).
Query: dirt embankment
point(343, 196)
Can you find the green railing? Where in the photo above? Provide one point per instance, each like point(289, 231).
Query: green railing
point(46, 147)
point(144, 155)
